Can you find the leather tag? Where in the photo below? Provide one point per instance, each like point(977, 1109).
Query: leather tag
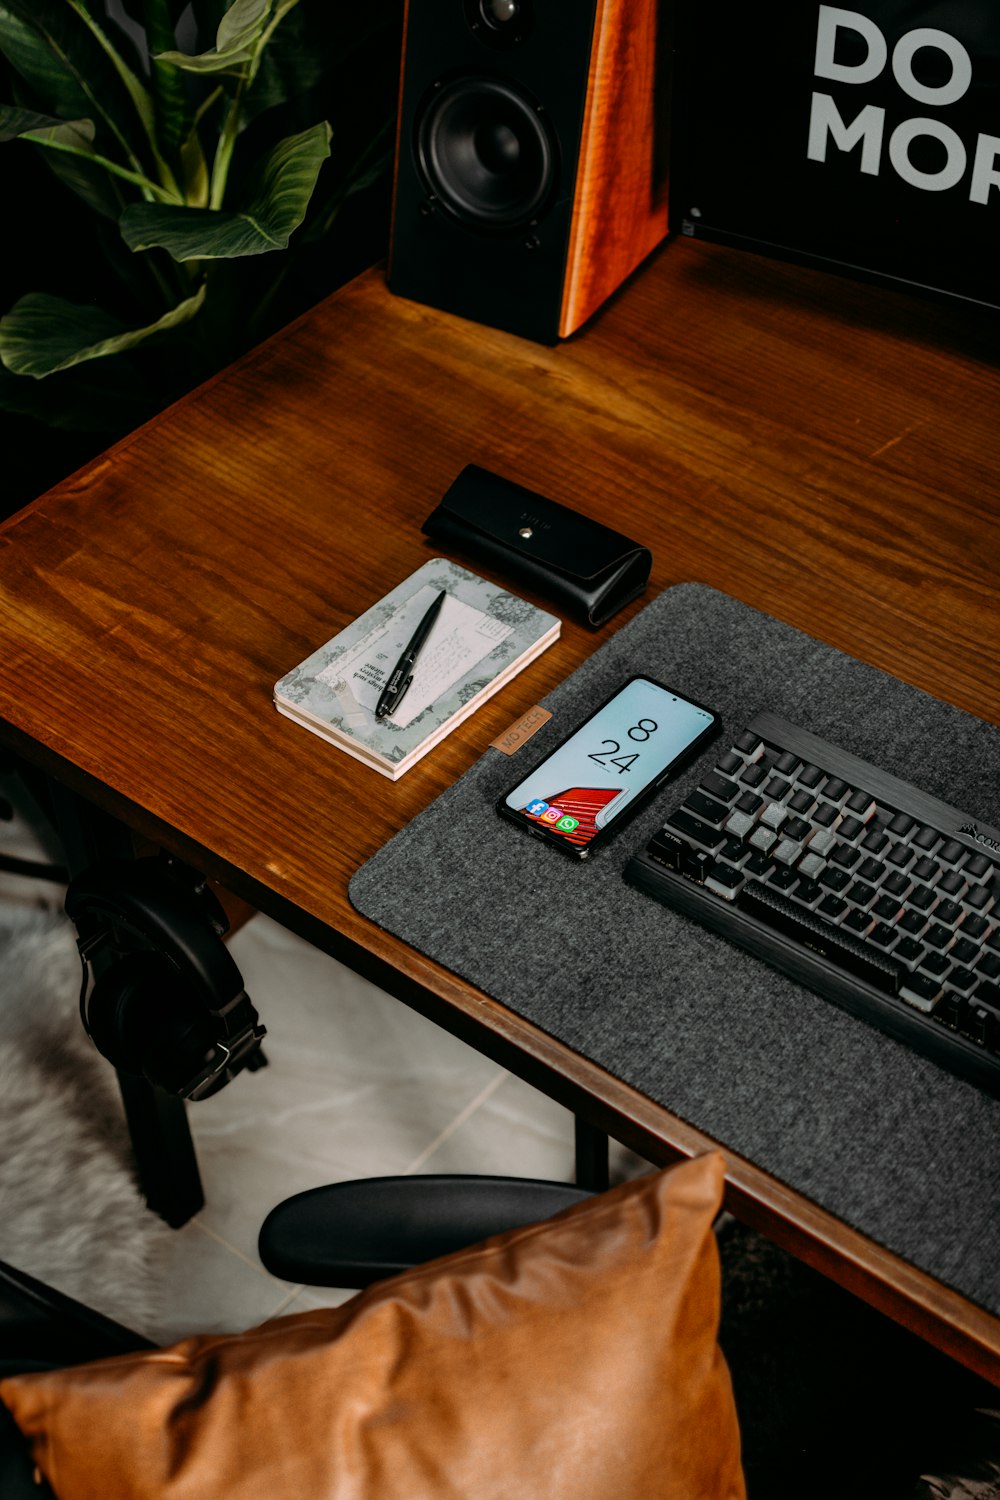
point(522, 729)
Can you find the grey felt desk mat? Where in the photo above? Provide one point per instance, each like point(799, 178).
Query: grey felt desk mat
point(882, 1138)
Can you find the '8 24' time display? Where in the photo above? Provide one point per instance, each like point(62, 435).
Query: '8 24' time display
point(608, 766)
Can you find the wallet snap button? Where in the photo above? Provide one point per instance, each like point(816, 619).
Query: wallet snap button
point(526, 531)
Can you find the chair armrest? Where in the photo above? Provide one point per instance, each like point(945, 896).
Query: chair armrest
point(353, 1233)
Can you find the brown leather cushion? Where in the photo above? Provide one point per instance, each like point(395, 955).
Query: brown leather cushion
point(573, 1358)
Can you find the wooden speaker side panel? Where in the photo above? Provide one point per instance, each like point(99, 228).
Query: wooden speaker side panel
point(620, 206)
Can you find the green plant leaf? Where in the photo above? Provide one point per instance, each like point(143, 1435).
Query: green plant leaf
point(243, 24)
point(42, 334)
point(30, 55)
point(15, 123)
point(243, 33)
point(285, 181)
point(79, 71)
point(173, 111)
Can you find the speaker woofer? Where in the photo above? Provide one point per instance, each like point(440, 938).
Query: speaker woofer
point(485, 152)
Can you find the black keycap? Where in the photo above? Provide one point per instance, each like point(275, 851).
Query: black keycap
point(980, 898)
point(883, 934)
point(749, 802)
point(825, 814)
point(693, 828)
point(835, 788)
point(989, 965)
point(937, 936)
point(725, 875)
point(810, 776)
point(787, 764)
point(992, 941)
point(783, 878)
point(807, 890)
point(860, 894)
point(859, 802)
point(733, 850)
point(947, 912)
point(961, 979)
point(795, 828)
point(758, 864)
point(913, 921)
point(844, 854)
point(951, 852)
point(850, 828)
point(874, 841)
point(856, 921)
point(988, 993)
point(926, 838)
point(801, 802)
point(925, 869)
point(901, 824)
point(897, 884)
point(706, 807)
point(754, 774)
point(900, 855)
point(937, 964)
point(730, 763)
point(719, 786)
point(950, 1009)
point(871, 870)
point(834, 878)
point(696, 865)
point(975, 926)
point(832, 906)
point(922, 897)
point(777, 787)
point(952, 883)
point(747, 741)
point(909, 950)
point(978, 866)
point(922, 984)
point(965, 952)
point(886, 907)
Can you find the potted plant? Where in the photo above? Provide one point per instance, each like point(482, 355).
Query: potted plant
point(195, 140)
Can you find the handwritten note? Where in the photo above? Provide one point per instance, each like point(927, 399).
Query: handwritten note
point(460, 638)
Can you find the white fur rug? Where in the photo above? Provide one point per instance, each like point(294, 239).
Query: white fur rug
point(70, 1211)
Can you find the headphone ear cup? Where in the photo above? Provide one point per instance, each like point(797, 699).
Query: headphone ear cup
point(146, 1020)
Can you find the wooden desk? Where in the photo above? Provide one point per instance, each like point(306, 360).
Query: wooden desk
point(823, 450)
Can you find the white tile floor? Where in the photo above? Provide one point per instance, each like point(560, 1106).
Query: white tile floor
point(357, 1085)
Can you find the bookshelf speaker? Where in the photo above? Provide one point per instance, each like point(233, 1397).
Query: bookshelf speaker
point(531, 157)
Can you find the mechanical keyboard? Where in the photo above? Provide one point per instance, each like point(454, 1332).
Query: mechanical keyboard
point(878, 896)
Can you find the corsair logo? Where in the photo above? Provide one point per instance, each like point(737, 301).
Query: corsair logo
point(980, 838)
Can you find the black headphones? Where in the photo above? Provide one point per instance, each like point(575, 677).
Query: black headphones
point(162, 998)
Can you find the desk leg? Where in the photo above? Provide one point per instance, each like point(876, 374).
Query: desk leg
point(592, 1169)
point(157, 1122)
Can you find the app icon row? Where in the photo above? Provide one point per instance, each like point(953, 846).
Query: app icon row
point(545, 812)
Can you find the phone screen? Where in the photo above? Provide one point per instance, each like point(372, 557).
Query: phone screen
point(604, 767)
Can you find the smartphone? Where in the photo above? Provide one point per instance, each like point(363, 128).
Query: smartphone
point(603, 772)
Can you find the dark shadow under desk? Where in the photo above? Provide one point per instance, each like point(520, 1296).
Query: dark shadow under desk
point(858, 1123)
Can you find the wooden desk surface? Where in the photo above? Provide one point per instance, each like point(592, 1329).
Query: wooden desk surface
point(823, 450)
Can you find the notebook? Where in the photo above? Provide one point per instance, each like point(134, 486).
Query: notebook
point(482, 638)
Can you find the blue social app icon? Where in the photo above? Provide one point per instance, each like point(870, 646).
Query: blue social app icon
point(536, 807)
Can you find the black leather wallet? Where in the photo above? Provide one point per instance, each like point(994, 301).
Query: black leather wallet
point(586, 568)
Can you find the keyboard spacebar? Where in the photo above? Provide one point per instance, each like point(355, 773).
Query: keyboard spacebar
point(842, 948)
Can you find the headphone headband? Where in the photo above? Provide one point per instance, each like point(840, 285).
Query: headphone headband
point(185, 998)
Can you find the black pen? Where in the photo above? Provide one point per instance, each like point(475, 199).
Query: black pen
point(402, 673)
